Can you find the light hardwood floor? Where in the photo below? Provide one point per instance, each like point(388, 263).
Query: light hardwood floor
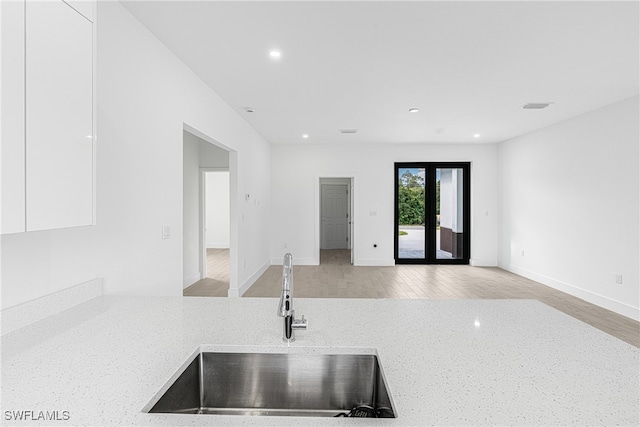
point(216, 283)
point(335, 277)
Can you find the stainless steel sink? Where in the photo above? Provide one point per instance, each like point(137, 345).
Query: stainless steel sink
point(313, 385)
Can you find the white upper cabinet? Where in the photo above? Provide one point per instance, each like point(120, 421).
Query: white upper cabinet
point(59, 116)
point(12, 113)
point(48, 143)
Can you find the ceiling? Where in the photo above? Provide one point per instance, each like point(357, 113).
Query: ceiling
point(468, 66)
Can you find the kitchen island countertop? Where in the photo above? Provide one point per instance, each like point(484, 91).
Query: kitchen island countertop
point(447, 362)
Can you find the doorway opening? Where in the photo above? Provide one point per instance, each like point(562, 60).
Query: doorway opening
point(336, 225)
point(209, 235)
point(216, 228)
point(432, 213)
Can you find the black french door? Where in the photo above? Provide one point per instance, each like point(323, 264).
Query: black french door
point(432, 213)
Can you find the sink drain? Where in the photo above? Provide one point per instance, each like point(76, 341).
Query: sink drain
point(366, 411)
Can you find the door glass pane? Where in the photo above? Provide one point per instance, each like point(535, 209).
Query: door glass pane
point(411, 213)
point(449, 213)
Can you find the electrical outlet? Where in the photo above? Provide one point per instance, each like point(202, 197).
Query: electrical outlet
point(522, 253)
point(617, 278)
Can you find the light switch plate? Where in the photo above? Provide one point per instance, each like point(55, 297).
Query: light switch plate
point(166, 232)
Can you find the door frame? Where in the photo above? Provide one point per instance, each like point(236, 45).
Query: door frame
point(318, 214)
point(430, 212)
point(233, 210)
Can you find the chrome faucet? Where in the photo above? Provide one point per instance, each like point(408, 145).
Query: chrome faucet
point(286, 302)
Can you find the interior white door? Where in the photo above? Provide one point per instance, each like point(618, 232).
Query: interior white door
point(334, 218)
point(59, 116)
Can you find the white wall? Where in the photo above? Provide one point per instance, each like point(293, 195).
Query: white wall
point(295, 172)
point(42, 262)
point(145, 95)
point(210, 156)
point(569, 198)
point(217, 210)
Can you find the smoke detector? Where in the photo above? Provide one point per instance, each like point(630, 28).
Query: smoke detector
point(536, 105)
point(348, 130)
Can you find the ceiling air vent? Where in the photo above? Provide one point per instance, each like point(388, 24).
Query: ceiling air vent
point(348, 130)
point(536, 105)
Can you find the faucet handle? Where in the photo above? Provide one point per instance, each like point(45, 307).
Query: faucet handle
point(299, 323)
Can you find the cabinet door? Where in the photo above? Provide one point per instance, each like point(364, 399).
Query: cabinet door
point(59, 116)
point(12, 113)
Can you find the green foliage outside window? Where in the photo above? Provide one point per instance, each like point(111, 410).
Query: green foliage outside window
point(411, 195)
point(411, 199)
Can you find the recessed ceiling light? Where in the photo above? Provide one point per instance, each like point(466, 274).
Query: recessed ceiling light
point(275, 54)
point(536, 105)
point(248, 109)
point(348, 130)
point(413, 110)
point(305, 136)
point(476, 135)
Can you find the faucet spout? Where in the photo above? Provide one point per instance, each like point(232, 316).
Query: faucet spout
point(286, 301)
point(285, 308)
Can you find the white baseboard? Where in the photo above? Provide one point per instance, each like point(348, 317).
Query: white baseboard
point(217, 245)
point(475, 262)
point(250, 281)
point(188, 281)
point(374, 262)
point(21, 315)
point(296, 261)
point(592, 297)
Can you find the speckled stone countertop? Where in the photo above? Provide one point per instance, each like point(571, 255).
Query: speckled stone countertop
point(447, 362)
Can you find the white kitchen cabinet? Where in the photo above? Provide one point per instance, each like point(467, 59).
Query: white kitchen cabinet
point(12, 113)
point(48, 110)
point(59, 116)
